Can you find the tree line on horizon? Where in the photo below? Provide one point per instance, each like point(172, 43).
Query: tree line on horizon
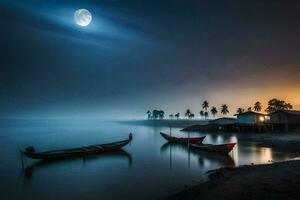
point(273, 105)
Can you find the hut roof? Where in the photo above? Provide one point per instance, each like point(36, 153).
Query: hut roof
point(223, 118)
point(250, 113)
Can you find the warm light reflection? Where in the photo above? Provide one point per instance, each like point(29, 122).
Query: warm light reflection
point(266, 155)
point(261, 155)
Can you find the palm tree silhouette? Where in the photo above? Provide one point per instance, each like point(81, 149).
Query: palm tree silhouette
point(161, 114)
point(149, 114)
point(205, 115)
point(177, 115)
point(187, 113)
point(214, 111)
point(191, 116)
point(171, 116)
point(224, 109)
point(240, 110)
point(257, 106)
point(249, 109)
point(201, 113)
point(288, 106)
point(205, 105)
point(155, 114)
point(275, 104)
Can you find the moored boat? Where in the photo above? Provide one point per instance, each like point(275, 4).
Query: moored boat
point(75, 152)
point(218, 148)
point(182, 140)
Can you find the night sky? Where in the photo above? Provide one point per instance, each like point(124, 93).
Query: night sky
point(138, 55)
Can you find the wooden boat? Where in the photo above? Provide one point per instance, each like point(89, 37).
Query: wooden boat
point(182, 140)
point(218, 148)
point(75, 152)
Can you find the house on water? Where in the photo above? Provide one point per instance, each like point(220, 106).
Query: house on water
point(285, 120)
point(251, 118)
point(252, 122)
point(282, 120)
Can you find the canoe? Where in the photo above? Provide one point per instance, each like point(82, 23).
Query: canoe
point(218, 148)
point(75, 152)
point(182, 140)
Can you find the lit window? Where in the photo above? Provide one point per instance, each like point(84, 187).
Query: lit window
point(261, 118)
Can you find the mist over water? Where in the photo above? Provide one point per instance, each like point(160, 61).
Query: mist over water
point(61, 85)
point(148, 168)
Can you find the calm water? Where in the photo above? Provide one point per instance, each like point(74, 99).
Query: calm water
point(148, 168)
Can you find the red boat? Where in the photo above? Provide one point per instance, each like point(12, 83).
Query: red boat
point(218, 148)
point(182, 140)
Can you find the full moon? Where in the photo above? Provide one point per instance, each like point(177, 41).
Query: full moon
point(82, 17)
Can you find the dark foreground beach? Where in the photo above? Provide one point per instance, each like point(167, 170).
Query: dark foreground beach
point(270, 181)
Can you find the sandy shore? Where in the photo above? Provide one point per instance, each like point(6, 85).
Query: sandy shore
point(273, 181)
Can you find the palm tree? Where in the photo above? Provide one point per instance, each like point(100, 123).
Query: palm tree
point(187, 113)
point(205, 115)
point(171, 116)
point(275, 104)
point(224, 109)
point(240, 110)
point(161, 114)
point(249, 109)
point(177, 115)
point(257, 106)
point(155, 114)
point(149, 114)
point(214, 111)
point(191, 116)
point(201, 113)
point(205, 105)
point(288, 106)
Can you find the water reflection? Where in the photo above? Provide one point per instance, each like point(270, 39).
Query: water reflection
point(254, 148)
point(205, 159)
point(28, 171)
point(170, 147)
point(108, 176)
point(222, 160)
point(256, 154)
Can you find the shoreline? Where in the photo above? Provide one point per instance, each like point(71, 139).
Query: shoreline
point(280, 180)
point(179, 123)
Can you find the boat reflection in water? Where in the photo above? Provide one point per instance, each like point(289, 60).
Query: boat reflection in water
point(204, 158)
point(28, 171)
point(223, 160)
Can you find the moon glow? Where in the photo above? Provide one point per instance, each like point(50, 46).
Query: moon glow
point(82, 17)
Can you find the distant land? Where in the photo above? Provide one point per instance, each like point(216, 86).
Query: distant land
point(166, 122)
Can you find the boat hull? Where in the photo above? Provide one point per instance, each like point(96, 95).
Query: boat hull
point(76, 152)
point(182, 140)
point(219, 148)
